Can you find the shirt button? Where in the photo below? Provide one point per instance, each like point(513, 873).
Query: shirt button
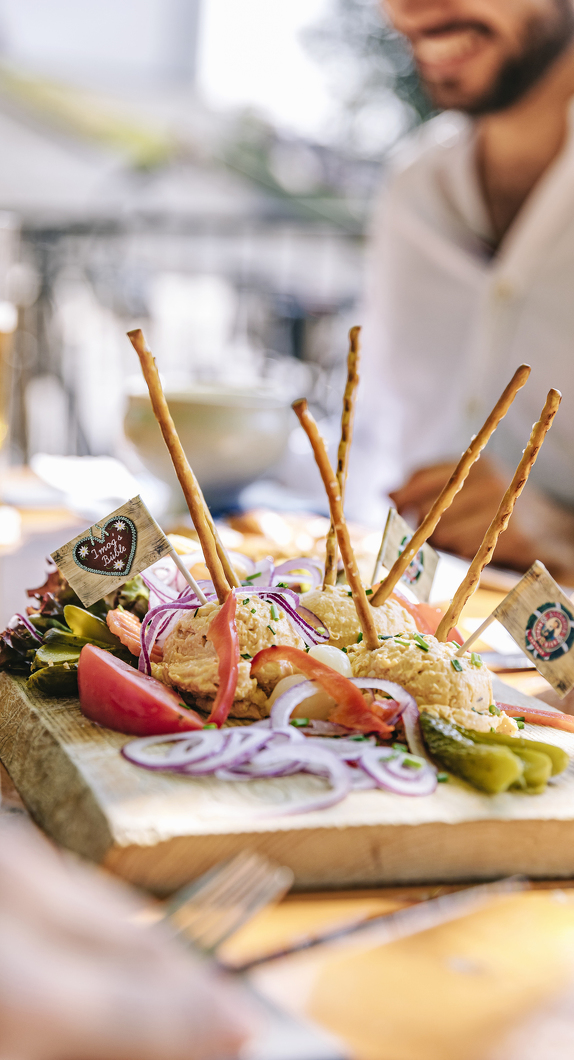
point(503, 290)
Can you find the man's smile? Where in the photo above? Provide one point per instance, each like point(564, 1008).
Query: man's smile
point(439, 52)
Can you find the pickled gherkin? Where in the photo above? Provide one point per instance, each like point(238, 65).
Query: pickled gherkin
point(517, 744)
point(57, 680)
point(465, 753)
point(88, 626)
point(489, 768)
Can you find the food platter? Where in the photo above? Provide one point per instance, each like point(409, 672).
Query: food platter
point(313, 724)
point(159, 830)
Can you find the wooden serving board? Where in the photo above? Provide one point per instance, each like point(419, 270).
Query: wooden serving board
point(159, 830)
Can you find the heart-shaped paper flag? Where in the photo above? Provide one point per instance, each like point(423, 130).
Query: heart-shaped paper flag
point(112, 552)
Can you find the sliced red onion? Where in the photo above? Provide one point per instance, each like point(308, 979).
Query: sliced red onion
point(300, 617)
point(29, 626)
point(240, 748)
point(361, 781)
point(186, 747)
point(422, 782)
point(254, 753)
point(315, 760)
point(285, 704)
point(312, 567)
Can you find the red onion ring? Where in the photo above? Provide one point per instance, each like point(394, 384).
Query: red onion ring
point(29, 626)
point(423, 782)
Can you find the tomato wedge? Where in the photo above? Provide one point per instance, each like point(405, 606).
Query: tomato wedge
point(534, 716)
point(223, 636)
point(113, 694)
point(351, 710)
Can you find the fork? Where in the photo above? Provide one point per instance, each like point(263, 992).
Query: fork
point(213, 907)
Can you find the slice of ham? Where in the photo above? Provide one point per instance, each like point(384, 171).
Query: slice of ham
point(536, 716)
point(128, 628)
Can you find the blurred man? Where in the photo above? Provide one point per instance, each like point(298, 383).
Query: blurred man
point(473, 271)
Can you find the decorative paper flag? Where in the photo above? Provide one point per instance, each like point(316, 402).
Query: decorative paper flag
point(113, 550)
point(540, 618)
point(420, 573)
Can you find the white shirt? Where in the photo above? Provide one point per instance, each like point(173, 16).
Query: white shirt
point(447, 322)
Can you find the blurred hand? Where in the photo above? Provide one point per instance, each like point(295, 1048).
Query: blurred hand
point(539, 528)
point(80, 980)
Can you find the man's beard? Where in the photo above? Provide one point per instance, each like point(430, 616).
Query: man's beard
point(544, 41)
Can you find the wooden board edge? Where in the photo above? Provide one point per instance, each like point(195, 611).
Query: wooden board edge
point(366, 856)
point(52, 788)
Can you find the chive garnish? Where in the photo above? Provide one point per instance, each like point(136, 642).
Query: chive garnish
point(349, 594)
point(246, 601)
point(299, 723)
point(412, 763)
point(369, 592)
point(274, 614)
point(253, 611)
point(520, 722)
point(493, 709)
point(359, 736)
point(252, 577)
point(388, 636)
point(399, 747)
point(456, 665)
point(420, 642)
point(246, 655)
point(442, 778)
point(210, 725)
point(359, 638)
point(475, 659)
point(344, 649)
point(282, 585)
point(272, 630)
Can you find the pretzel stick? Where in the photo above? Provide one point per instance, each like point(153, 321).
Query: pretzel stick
point(469, 584)
point(187, 480)
point(337, 515)
point(454, 484)
point(347, 420)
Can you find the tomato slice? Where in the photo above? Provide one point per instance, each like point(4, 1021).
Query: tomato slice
point(352, 708)
point(113, 694)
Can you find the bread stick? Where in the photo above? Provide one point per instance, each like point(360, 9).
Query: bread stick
point(331, 485)
point(347, 420)
point(469, 584)
point(454, 484)
point(191, 490)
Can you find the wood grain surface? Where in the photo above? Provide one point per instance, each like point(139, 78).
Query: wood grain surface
point(159, 831)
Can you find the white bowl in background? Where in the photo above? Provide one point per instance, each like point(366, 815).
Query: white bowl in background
point(230, 435)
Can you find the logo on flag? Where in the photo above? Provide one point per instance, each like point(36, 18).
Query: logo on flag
point(111, 552)
point(121, 545)
point(417, 565)
point(550, 631)
point(540, 619)
point(420, 573)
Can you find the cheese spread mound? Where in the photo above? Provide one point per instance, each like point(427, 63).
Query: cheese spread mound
point(335, 608)
point(430, 675)
point(190, 662)
point(478, 721)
